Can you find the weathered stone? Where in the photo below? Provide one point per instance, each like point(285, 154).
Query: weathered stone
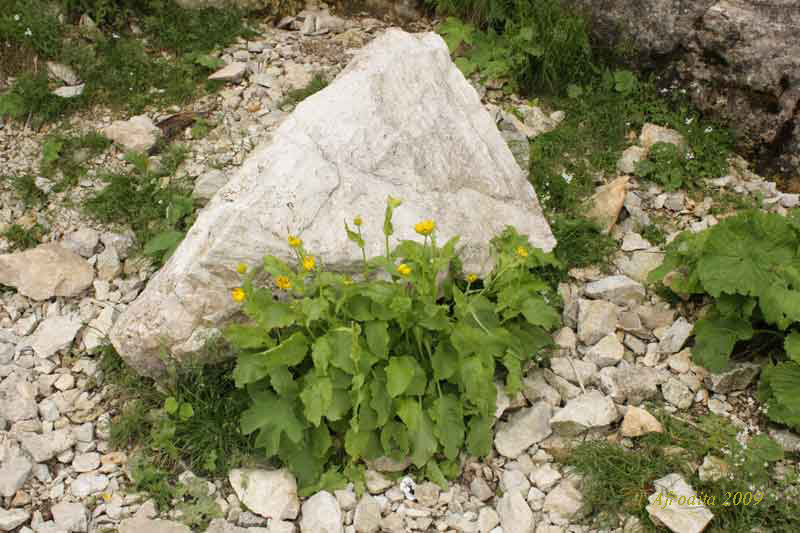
point(268, 493)
point(737, 378)
point(86, 462)
point(712, 469)
point(376, 482)
point(230, 72)
point(638, 422)
point(69, 91)
point(574, 371)
point(596, 319)
point(620, 290)
point(209, 183)
point(14, 471)
point(367, 517)
point(138, 133)
point(634, 384)
point(515, 514)
point(639, 264)
point(523, 429)
point(370, 134)
point(629, 159)
point(96, 333)
point(321, 514)
point(676, 336)
point(82, 242)
point(607, 202)
point(633, 241)
point(141, 524)
point(545, 477)
point(514, 480)
point(53, 334)
point(681, 511)
point(71, 516)
point(592, 410)
point(44, 447)
point(46, 271)
point(607, 352)
point(11, 519)
point(652, 134)
point(565, 500)
point(677, 393)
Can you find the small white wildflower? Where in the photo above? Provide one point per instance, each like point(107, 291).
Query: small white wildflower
point(28, 32)
point(689, 156)
point(708, 129)
point(16, 17)
point(115, 36)
point(567, 177)
point(689, 120)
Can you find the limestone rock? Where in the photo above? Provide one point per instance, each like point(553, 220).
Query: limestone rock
point(677, 393)
point(592, 410)
point(321, 514)
point(400, 120)
point(607, 352)
point(231, 72)
point(692, 516)
point(620, 290)
point(367, 518)
point(652, 134)
point(565, 500)
point(140, 525)
point(11, 519)
point(14, 471)
point(630, 157)
point(523, 429)
point(639, 264)
point(54, 334)
point(44, 447)
point(138, 133)
point(638, 422)
point(71, 516)
point(596, 319)
point(208, 184)
point(268, 493)
point(575, 371)
point(676, 336)
point(515, 514)
point(634, 384)
point(735, 379)
point(46, 271)
point(607, 202)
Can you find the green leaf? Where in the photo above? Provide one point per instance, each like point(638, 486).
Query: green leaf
point(269, 313)
point(715, 338)
point(479, 437)
point(164, 243)
point(792, 346)
point(273, 417)
point(186, 411)
point(394, 439)
point(320, 440)
point(377, 333)
point(444, 361)
point(448, 416)
point(253, 367)
point(353, 236)
point(316, 396)
point(380, 400)
point(340, 341)
point(248, 337)
point(170, 405)
point(764, 450)
point(434, 473)
point(420, 430)
point(331, 481)
point(401, 372)
point(208, 61)
point(540, 313)
point(283, 382)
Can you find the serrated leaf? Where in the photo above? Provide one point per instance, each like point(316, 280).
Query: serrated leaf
point(331, 481)
point(253, 367)
point(792, 346)
point(539, 313)
point(444, 361)
point(715, 338)
point(273, 417)
point(269, 313)
point(764, 449)
point(320, 440)
point(420, 430)
point(362, 444)
point(394, 439)
point(377, 333)
point(283, 382)
point(380, 400)
point(514, 374)
point(479, 436)
point(248, 337)
point(399, 374)
point(316, 396)
point(448, 416)
point(434, 473)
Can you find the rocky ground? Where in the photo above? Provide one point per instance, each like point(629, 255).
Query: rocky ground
point(621, 346)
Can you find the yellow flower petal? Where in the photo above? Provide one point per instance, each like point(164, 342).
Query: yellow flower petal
point(294, 241)
point(308, 262)
point(521, 251)
point(471, 278)
point(357, 221)
point(425, 227)
point(238, 294)
point(283, 282)
point(403, 269)
point(241, 268)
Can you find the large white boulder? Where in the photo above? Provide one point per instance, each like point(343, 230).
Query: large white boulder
point(400, 120)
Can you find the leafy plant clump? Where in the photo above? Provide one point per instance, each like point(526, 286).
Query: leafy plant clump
point(340, 371)
point(158, 215)
point(749, 265)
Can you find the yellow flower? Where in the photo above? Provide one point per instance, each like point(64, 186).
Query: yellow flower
point(394, 202)
point(241, 268)
point(283, 282)
point(308, 262)
point(425, 227)
point(471, 278)
point(357, 221)
point(106, 496)
point(294, 241)
point(403, 269)
point(521, 251)
point(237, 294)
